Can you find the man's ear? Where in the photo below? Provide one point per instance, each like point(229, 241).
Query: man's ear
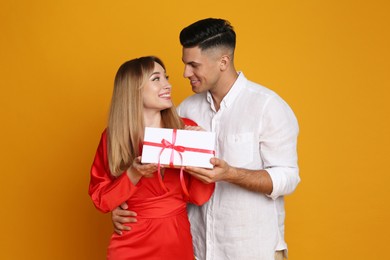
point(224, 62)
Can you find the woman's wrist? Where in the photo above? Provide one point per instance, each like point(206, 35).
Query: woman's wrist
point(133, 175)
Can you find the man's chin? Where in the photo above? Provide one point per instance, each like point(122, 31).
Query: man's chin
point(197, 90)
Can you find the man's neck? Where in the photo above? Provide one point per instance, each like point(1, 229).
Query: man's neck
point(223, 87)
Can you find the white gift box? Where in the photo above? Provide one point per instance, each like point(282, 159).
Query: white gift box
point(176, 147)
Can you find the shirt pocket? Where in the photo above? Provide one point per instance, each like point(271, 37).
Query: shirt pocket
point(238, 149)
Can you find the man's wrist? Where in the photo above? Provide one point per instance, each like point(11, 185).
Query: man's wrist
point(231, 174)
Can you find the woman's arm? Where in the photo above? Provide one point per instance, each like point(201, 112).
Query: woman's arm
point(107, 192)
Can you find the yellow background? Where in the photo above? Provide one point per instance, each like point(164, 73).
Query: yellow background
point(328, 59)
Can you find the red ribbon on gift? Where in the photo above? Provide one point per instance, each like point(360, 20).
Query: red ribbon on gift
point(179, 149)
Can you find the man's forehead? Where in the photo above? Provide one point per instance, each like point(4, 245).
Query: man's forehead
point(192, 51)
point(193, 54)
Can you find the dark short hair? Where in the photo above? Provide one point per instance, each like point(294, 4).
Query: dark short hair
point(208, 33)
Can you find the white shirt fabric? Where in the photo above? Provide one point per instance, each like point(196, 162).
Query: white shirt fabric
point(255, 130)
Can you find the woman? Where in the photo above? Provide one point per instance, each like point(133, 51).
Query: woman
point(142, 97)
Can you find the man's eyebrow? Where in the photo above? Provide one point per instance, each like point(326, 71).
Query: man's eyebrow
point(192, 63)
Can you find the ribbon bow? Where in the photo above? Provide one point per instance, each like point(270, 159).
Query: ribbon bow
point(178, 148)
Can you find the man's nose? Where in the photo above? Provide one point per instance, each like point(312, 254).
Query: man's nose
point(187, 72)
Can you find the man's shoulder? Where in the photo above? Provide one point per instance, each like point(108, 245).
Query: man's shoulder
point(254, 87)
point(193, 100)
point(265, 97)
point(258, 95)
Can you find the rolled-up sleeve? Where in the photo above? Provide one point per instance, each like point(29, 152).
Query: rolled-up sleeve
point(278, 146)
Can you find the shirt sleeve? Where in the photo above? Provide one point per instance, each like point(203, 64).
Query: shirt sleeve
point(278, 146)
point(107, 192)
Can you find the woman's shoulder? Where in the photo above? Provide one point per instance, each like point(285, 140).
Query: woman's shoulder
point(188, 121)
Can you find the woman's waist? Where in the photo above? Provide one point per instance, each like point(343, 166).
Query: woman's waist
point(158, 207)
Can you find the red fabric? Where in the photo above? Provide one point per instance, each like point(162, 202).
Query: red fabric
point(162, 230)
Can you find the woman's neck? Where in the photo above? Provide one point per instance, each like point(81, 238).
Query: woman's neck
point(153, 120)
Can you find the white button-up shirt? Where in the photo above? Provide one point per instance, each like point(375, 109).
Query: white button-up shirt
point(255, 130)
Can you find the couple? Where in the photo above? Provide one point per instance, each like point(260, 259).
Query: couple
point(255, 164)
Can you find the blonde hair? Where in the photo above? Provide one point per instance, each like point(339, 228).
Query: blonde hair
point(126, 122)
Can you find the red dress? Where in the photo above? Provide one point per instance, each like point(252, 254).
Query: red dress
point(162, 230)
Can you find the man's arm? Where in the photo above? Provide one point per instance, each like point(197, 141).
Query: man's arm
point(254, 180)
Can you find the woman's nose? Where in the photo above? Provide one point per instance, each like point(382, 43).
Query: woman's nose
point(167, 85)
point(164, 82)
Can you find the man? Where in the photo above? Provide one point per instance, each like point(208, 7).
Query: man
point(256, 157)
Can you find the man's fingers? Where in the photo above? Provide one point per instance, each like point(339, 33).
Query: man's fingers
point(118, 231)
point(121, 228)
point(118, 224)
point(217, 162)
point(120, 217)
point(129, 220)
point(214, 161)
point(123, 213)
point(197, 171)
point(131, 214)
point(124, 205)
point(123, 220)
point(199, 174)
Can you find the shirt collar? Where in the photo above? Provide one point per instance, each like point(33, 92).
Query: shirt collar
point(233, 92)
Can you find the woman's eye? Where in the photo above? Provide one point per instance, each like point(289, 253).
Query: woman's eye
point(167, 77)
point(156, 79)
